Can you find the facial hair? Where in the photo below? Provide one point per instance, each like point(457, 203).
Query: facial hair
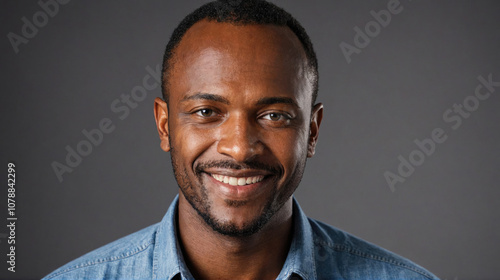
point(197, 195)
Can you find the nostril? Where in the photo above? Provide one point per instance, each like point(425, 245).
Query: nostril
point(239, 148)
point(239, 138)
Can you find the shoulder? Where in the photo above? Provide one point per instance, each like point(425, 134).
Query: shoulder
point(340, 254)
point(117, 258)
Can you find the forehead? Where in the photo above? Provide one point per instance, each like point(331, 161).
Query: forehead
point(253, 57)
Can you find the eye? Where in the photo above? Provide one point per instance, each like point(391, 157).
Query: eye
point(206, 113)
point(274, 117)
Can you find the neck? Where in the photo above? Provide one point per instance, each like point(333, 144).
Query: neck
point(211, 255)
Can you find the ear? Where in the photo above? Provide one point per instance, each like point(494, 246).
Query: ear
point(161, 116)
point(316, 117)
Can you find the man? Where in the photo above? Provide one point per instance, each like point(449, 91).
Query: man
point(239, 119)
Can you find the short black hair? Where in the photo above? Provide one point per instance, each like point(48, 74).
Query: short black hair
point(241, 12)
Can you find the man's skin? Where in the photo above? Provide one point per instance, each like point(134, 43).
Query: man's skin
point(239, 106)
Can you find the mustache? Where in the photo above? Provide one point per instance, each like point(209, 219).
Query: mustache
point(200, 167)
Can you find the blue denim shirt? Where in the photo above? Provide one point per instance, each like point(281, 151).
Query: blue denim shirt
point(317, 251)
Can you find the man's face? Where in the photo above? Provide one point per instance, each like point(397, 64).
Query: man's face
point(239, 124)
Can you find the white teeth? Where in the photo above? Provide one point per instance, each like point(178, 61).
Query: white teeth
point(233, 181)
point(237, 181)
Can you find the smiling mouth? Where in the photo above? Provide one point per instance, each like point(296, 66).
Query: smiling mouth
point(237, 181)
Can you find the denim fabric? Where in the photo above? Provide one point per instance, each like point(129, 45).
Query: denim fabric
point(318, 251)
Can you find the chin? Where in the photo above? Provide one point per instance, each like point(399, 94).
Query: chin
point(237, 218)
point(233, 229)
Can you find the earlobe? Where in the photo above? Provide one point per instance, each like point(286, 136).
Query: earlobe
point(316, 117)
point(161, 117)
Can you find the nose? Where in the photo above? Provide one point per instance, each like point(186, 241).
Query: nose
point(239, 139)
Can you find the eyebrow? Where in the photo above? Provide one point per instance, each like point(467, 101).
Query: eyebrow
point(277, 100)
point(206, 96)
point(262, 101)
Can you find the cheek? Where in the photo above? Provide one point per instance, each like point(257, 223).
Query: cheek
point(288, 148)
point(189, 142)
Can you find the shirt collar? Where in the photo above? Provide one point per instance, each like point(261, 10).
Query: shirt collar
point(169, 262)
point(300, 259)
point(167, 257)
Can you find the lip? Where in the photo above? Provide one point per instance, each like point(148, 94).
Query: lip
point(236, 172)
point(245, 192)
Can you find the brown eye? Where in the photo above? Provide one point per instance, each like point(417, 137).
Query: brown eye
point(273, 116)
point(206, 113)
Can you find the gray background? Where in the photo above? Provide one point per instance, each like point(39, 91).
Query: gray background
point(444, 216)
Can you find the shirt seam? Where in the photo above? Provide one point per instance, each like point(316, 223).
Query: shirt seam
point(101, 261)
point(155, 253)
point(350, 250)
